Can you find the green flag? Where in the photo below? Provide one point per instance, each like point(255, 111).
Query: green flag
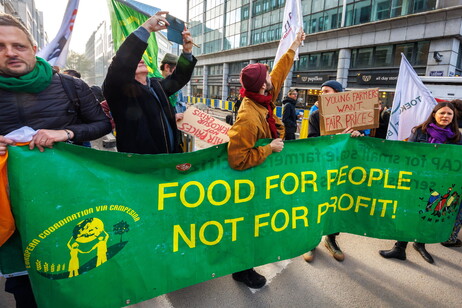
point(124, 20)
point(105, 229)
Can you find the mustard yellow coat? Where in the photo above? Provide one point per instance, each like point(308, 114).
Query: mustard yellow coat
point(251, 124)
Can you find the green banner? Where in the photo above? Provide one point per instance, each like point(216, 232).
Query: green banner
point(125, 20)
point(104, 229)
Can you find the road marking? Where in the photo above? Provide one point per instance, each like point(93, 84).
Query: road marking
point(159, 302)
point(270, 271)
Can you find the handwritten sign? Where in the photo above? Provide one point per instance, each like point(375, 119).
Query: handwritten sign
point(204, 126)
point(357, 109)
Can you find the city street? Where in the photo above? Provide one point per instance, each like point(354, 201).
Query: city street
point(364, 279)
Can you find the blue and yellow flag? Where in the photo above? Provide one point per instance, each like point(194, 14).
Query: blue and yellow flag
point(126, 17)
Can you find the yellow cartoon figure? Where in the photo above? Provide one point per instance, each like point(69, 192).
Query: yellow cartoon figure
point(74, 260)
point(101, 248)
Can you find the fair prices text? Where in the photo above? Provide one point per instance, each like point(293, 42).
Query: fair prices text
point(241, 191)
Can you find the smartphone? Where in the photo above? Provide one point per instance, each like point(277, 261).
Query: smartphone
point(174, 29)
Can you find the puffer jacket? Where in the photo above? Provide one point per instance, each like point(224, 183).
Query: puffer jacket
point(52, 109)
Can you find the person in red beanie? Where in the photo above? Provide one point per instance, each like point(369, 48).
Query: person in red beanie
point(255, 120)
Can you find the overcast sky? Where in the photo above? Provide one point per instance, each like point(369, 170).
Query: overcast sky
point(90, 15)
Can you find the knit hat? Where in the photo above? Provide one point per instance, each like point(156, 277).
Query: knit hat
point(253, 76)
point(169, 59)
point(337, 86)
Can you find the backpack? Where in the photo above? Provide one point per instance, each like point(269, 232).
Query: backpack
point(71, 92)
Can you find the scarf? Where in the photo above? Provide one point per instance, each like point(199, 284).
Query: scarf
point(265, 101)
point(438, 134)
point(33, 82)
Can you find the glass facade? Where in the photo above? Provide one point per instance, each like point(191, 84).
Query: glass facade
point(223, 25)
point(459, 62)
point(390, 55)
point(317, 62)
point(359, 12)
point(219, 25)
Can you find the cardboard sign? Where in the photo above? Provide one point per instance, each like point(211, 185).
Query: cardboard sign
point(357, 109)
point(203, 126)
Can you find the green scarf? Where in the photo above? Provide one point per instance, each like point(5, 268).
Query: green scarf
point(33, 82)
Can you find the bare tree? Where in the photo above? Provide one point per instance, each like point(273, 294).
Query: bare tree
point(80, 63)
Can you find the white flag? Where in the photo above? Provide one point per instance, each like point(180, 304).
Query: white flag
point(293, 22)
point(412, 104)
point(56, 51)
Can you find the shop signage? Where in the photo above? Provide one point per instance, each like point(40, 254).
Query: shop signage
point(377, 78)
point(311, 79)
point(233, 80)
point(436, 73)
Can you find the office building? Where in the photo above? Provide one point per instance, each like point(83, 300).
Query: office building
point(357, 42)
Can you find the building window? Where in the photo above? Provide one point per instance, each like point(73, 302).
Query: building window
point(381, 10)
point(236, 67)
point(198, 71)
point(317, 61)
point(383, 56)
point(358, 13)
point(390, 55)
point(407, 49)
point(459, 61)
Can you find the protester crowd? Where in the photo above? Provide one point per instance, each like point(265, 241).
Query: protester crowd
point(144, 111)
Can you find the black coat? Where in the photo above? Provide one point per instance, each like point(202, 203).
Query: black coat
point(289, 116)
point(419, 136)
point(52, 109)
point(313, 124)
point(137, 113)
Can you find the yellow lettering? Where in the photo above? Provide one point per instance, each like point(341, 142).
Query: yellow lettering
point(233, 223)
point(268, 186)
point(210, 192)
point(329, 178)
point(350, 175)
point(401, 180)
point(312, 181)
point(358, 202)
point(219, 235)
point(259, 224)
point(341, 174)
point(374, 178)
point(163, 195)
point(301, 217)
point(191, 242)
point(286, 220)
point(384, 207)
point(340, 202)
point(237, 187)
point(183, 194)
point(283, 186)
point(327, 206)
point(386, 185)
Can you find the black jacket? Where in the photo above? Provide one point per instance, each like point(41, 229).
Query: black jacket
point(313, 124)
point(137, 113)
point(52, 109)
point(420, 136)
point(289, 116)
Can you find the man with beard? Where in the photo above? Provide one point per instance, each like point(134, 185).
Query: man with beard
point(255, 120)
point(32, 94)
